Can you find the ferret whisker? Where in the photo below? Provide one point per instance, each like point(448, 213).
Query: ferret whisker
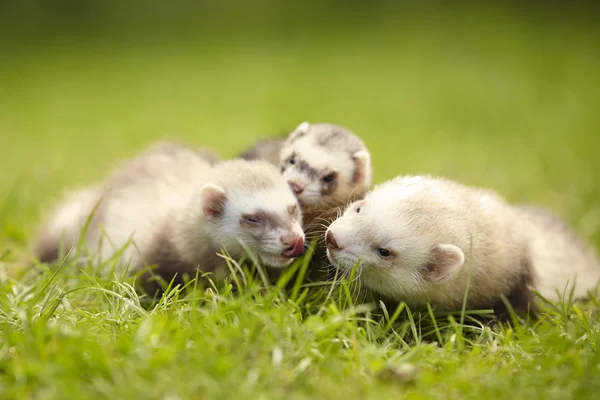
point(351, 198)
point(326, 221)
point(320, 231)
point(317, 225)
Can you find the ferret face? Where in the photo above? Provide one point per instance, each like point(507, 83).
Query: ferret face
point(389, 236)
point(267, 222)
point(321, 170)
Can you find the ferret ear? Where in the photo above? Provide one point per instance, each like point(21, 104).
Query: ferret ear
point(446, 260)
point(362, 170)
point(300, 131)
point(213, 200)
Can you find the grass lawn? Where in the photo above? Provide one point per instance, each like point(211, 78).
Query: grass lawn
point(504, 100)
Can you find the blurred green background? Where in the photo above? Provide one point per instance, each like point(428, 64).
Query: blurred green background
point(499, 95)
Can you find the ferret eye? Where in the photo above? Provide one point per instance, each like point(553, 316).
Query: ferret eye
point(253, 220)
point(292, 161)
point(329, 177)
point(384, 253)
point(357, 209)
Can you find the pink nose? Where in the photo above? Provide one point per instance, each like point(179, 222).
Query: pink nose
point(294, 245)
point(297, 189)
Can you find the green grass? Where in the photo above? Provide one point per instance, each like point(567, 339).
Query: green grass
point(502, 100)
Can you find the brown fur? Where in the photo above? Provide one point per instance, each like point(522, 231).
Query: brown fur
point(164, 263)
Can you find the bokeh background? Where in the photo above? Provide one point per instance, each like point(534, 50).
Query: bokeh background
point(503, 95)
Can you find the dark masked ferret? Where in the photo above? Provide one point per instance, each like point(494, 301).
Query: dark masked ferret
point(326, 166)
point(180, 210)
point(415, 238)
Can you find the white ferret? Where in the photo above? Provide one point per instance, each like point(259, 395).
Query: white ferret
point(180, 208)
point(415, 239)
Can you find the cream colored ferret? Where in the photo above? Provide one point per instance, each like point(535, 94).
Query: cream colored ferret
point(415, 239)
point(180, 208)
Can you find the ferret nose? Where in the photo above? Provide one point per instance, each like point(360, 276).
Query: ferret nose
point(331, 242)
point(297, 189)
point(294, 245)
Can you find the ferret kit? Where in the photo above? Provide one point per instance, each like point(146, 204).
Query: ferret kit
point(423, 240)
point(176, 208)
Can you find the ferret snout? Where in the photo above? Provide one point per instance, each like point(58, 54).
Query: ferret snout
point(330, 241)
point(297, 189)
point(294, 245)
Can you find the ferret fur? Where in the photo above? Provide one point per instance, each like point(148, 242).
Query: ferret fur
point(179, 208)
point(437, 230)
point(306, 157)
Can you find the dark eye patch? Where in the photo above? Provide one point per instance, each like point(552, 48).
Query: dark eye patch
point(329, 183)
point(329, 177)
point(300, 165)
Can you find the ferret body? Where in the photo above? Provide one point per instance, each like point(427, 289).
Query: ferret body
point(70, 216)
point(180, 209)
point(559, 254)
point(67, 220)
point(417, 239)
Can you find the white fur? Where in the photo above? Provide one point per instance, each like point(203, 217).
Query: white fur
point(73, 213)
point(162, 190)
point(69, 218)
point(411, 180)
point(136, 212)
point(564, 262)
point(411, 216)
point(303, 127)
point(276, 200)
